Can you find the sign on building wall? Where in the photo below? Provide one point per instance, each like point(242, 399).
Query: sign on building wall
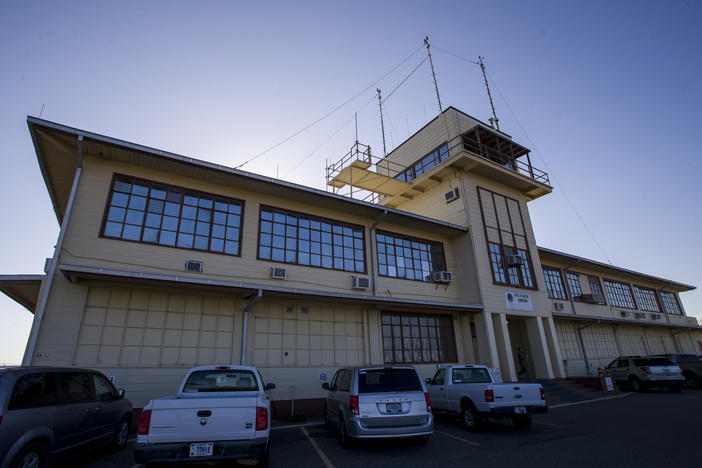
point(518, 301)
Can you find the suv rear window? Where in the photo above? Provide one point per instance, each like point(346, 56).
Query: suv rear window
point(388, 380)
point(658, 361)
point(220, 381)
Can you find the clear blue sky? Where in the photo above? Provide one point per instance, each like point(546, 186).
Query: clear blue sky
point(608, 93)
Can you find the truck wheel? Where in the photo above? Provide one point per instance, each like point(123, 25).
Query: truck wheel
point(264, 460)
point(522, 422)
point(471, 418)
point(121, 435)
point(32, 456)
point(636, 384)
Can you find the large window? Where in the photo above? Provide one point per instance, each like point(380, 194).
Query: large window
point(554, 283)
point(647, 299)
point(519, 275)
point(290, 237)
point(152, 213)
point(429, 161)
point(619, 294)
point(408, 257)
point(573, 284)
point(415, 338)
point(670, 303)
point(596, 289)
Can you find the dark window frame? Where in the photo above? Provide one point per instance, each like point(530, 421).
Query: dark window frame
point(184, 191)
point(665, 303)
point(311, 218)
point(614, 301)
point(647, 299)
point(450, 352)
point(592, 279)
point(572, 282)
point(430, 243)
point(409, 174)
point(549, 280)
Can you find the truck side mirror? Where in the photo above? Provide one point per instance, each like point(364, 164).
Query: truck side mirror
point(325, 386)
point(120, 393)
point(428, 380)
point(269, 386)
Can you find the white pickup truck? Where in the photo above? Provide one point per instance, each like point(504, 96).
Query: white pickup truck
point(219, 412)
point(473, 392)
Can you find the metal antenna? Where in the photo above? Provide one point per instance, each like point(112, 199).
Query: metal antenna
point(382, 124)
point(355, 116)
point(431, 63)
point(494, 115)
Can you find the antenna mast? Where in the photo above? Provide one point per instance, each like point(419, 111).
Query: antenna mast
point(382, 124)
point(431, 64)
point(494, 115)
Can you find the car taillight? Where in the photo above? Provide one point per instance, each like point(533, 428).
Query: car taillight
point(144, 422)
point(353, 404)
point(543, 394)
point(646, 369)
point(261, 419)
point(428, 400)
point(489, 395)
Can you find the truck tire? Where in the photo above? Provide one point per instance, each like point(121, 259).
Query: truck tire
point(471, 417)
point(522, 421)
point(32, 456)
point(264, 460)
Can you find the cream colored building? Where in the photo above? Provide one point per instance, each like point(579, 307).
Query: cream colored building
point(164, 262)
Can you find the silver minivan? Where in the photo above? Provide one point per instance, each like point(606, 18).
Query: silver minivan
point(378, 402)
point(48, 414)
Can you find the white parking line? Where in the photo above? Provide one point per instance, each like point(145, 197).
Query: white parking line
point(590, 401)
point(457, 438)
point(321, 454)
point(305, 424)
point(548, 424)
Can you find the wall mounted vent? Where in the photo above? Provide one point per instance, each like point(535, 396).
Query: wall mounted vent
point(360, 282)
point(289, 309)
point(514, 260)
point(624, 313)
point(441, 276)
point(639, 315)
point(279, 273)
point(559, 306)
point(193, 266)
point(656, 316)
point(451, 195)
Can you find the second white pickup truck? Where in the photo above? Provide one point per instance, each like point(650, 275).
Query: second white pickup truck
point(219, 413)
point(473, 392)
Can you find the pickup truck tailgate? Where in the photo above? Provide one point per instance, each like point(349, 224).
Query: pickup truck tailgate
point(519, 394)
point(211, 418)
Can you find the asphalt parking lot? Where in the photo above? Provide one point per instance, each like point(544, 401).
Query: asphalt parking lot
point(650, 429)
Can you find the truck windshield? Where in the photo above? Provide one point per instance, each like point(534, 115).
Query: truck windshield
point(220, 381)
point(653, 361)
point(388, 380)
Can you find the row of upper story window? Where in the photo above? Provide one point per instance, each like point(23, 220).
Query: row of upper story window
point(618, 293)
point(154, 213)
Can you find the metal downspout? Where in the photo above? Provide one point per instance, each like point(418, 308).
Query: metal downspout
point(373, 252)
point(582, 344)
point(34, 334)
point(248, 307)
point(675, 340)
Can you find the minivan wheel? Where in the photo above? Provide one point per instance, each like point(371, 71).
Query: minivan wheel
point(346, 441)
point(471, 418)
point(327, 421)
point(122, 434)
point(636, 384)
point(32, 456)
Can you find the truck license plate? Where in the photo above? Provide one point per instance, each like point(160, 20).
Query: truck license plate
point(201, 450)
point(394, 407)
point(519, 410)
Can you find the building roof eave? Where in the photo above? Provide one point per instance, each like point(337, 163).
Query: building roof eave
point(23, 289)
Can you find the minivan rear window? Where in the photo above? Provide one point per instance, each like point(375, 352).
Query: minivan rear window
point(657, 361)
point(388, 380)
point(220, 381)
point(33, 390)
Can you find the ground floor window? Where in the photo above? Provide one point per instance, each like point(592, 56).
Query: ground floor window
point(417, 338)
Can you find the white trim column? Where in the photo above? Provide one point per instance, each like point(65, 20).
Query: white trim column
point(554, 348)
point(541, 358)
point(504, 348)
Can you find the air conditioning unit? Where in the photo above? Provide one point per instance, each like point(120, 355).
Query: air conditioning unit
point(559, 306)
point(441, 276)
point(656, 316)
point(360, 282)
point(278, 273)
point(514, 260)
point(639, 315)
point(624, 313)
point(193, 266)
point(451, 196)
